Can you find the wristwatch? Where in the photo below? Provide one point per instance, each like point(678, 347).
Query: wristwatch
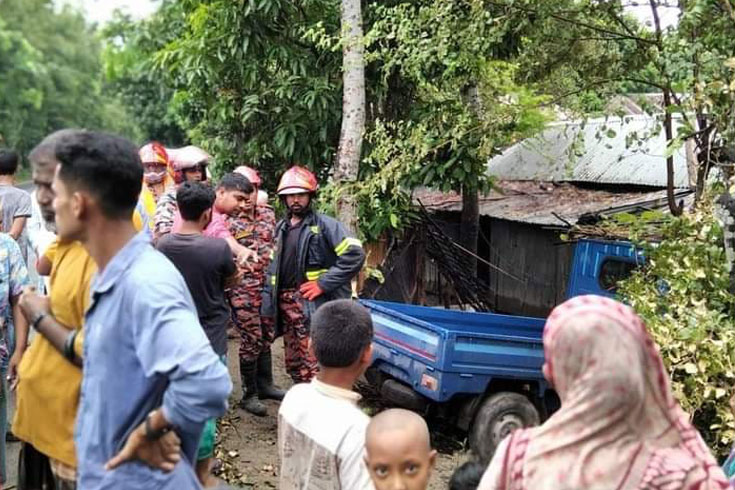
point(150, 433)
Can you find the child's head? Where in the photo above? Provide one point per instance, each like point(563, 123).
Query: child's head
point(467, 476)
point(341, 336)
point(8, 161)
point(398, 451)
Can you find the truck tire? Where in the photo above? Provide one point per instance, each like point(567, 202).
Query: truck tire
point(499, 415)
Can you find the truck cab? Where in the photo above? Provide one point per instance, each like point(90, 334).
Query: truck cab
point(598, 266)
point(482, 371)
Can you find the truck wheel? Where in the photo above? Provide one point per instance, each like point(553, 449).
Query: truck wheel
point(498, 416)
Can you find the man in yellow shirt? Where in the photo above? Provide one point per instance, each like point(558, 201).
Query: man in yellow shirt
point(49, 386)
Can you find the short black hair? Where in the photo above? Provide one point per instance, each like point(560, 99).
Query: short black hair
point(467, 476)
point(340, 332)
point(106, 166)
point(193, 199)
point(235, 182)
point(8, 161)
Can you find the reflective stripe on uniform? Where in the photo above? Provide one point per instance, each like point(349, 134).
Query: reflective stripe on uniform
point(314, 229)
point(273, 280)
point(346, 244)
point(315, 274)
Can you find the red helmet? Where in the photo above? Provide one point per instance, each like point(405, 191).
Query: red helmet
point(250, 173)
point(297, 180)
point(153, 152)
point(188, 157)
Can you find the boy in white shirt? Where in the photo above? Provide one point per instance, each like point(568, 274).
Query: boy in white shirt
point(321, 431)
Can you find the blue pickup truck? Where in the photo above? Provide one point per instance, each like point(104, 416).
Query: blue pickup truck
point(482, 371)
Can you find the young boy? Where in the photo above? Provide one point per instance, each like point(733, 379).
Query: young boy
point(321, 431)
point(207, 266)
point(232, 196)
point(398, 451)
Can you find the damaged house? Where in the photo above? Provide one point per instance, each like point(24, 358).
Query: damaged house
point(574, 172)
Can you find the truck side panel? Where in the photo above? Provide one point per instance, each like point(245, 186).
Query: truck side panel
point(456, 352)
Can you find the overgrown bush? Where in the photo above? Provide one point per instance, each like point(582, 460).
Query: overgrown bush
point(682, 294)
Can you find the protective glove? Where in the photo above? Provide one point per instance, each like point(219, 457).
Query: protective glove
point(311, 290)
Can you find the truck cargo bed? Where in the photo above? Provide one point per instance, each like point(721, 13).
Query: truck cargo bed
point(440, 353)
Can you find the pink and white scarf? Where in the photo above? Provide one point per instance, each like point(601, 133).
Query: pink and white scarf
point(619, 426)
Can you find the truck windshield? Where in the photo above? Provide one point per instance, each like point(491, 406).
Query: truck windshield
point(613, 271)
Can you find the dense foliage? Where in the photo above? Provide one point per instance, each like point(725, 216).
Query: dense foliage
point(51, 75)
point(682, 295)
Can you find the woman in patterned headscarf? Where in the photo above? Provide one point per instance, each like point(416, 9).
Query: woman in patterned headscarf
point(157, 178)
point(619, 426)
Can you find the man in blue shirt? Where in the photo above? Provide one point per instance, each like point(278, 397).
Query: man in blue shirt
point(149, 369)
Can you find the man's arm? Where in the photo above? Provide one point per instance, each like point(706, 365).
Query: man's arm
point(230, 271)
point(163, 219)
point(21, 341)
point(45, 261)
point(23, 211)
point(43, 266)
point(353, 471)
point(17, 280)
point(152, 442)
point(170, 341)
point(18, 225)
point(36, 308)
point(350, 257)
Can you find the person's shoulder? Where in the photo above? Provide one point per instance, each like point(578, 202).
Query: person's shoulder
point(17, 191)
point(164, 240)
point(296, 395)
point(212, 243)
point(152, 269)
point(327, 221)
point(300, 389)
point(70, 248)
point(15, 196)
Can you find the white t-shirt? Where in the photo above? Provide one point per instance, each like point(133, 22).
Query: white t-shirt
point(321, 439)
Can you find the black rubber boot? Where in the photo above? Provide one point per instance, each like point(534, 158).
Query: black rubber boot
point(266, 389)
point(250, 402)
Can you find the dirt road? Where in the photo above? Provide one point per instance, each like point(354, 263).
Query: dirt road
point(248, 443)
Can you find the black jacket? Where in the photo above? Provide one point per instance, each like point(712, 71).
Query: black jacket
point(326, 253)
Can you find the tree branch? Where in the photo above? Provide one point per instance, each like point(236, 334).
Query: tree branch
point(590, 85)
point(617, 35)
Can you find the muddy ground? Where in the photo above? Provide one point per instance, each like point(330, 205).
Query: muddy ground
point(247, 444)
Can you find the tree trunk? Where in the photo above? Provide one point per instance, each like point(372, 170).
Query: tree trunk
point(353, 110)
point(675, 209)
point(469, 228)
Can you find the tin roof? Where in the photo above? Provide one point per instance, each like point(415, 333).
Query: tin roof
point(547, 204)
point(620, 151)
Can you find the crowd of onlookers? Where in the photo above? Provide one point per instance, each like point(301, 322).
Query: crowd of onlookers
point(147, 264)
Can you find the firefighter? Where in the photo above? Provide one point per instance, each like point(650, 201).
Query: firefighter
point(253, 228)
point(188, 164)
point(315, 261)
point(157, 179)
